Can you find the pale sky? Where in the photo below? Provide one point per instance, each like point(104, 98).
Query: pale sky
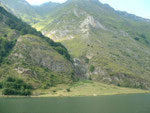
point(137, 7)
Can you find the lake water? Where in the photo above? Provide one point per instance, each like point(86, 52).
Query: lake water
point(135, 103)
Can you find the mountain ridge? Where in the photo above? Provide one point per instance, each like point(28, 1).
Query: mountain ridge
point(106, 45)
point(27, 54)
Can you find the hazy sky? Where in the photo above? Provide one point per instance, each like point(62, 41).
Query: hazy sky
point(137, 7)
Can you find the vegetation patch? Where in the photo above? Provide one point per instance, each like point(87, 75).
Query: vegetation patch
point(92, 68)
point(15, 86)
point(5, 47)
point(23, 29)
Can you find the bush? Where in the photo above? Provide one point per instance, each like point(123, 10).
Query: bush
point(26, 93)
point(87, 60)
point(15, 86)
point(10, 79)
point(63, 51)
point(54, 91)
point(5, 47)
point(8, 91)
point(68, 90)
point(1, 85)
point(136, 38)
point(45, 86)
point(92, 68)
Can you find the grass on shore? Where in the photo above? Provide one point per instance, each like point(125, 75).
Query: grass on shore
point(84, 88)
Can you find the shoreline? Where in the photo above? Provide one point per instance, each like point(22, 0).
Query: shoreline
point(63, 96)
point(80, 89)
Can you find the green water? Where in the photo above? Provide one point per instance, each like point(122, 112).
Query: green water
point(136, 103)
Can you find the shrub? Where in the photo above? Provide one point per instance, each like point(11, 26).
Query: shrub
point(26, 93)
point(136, 38)
point(8, 91)
point(92, 68)
point(5, 47)
point(45, 86)
point(63, 51)
point(14, 86)
point(143, 36)
point(87, 60)
point(54, 91)
point(1, 85)
point(68, 90)
point(10, 79)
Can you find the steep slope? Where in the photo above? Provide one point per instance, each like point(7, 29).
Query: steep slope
point(110, 46)
point(34, 58)
point(107, 45)
point(23, 10)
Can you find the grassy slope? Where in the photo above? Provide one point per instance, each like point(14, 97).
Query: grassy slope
point(23, 10)
point(86, 88)
point(32, 58)
point(110, 51)
point(114, 51)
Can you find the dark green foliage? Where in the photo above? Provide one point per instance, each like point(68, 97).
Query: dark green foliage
point(92, 68)
point(73, 78)
point(87, 60)
point(118, 84)
point(1, 85)
point(5, 47)
point(54, 91)
point(14, 86)
point(5, 35)
point(136, 38)
point(50, 83)
point(45, 86)
point(63, 51)
point(68, 90)
point(9, 91)
point(143, 36)
point(58, 47)
point(10, 79)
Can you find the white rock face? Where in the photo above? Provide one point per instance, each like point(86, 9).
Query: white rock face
point(90, 21)
point(76, 13)
point(70, 28)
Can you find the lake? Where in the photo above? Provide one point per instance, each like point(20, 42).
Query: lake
point(135, 103)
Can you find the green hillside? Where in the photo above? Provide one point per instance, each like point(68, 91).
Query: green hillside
point(45, 8)
point(116, 44)
point(106, 45)
point(22, 10)
point(29, 58)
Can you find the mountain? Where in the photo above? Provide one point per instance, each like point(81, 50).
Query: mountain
point(45, 8)
point(27, 54)
point(22, 10)
point(107, 45)
point(115, 44)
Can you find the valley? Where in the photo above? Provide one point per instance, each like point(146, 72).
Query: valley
point(56, 46)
